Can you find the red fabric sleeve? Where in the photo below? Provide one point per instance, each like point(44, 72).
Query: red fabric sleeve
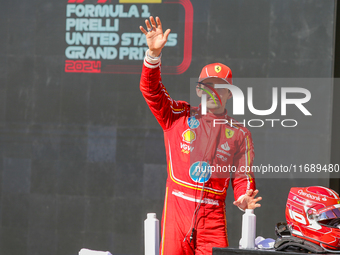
point(243, 180)
point(164, 108)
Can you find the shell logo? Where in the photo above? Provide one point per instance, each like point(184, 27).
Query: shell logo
point(189, 136)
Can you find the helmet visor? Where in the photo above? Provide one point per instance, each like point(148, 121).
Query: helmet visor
point(330, 217)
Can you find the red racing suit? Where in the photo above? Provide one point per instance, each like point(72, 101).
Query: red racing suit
point(193, 220)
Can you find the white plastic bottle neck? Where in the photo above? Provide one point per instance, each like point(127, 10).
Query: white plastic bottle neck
point(249, 211)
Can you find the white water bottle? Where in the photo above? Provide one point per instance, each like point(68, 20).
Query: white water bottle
point(151, 234)
point(248, 230)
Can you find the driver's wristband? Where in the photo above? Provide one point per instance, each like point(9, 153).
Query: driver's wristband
point(152, 62)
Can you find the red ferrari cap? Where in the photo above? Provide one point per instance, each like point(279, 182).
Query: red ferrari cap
point(216, 70)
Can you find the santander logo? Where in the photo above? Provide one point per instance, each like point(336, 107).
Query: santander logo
point(301, 192)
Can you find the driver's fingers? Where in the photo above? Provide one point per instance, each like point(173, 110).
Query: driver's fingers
point(249, 192)
point(237, 203)
point(257, 199)
point(147, 23)
point(255, 192)
point(159, 23)
point(166, 34)
point(143, 30)
point(153, 22)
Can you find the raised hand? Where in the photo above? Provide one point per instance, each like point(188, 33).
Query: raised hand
point(154, 36)
point(248, 201)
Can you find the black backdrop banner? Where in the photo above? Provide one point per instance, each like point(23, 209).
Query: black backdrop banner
point(82, 159)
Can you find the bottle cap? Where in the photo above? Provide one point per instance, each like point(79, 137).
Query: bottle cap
point(151, 215)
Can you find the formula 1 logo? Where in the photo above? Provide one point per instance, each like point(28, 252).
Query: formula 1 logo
point(81, 1)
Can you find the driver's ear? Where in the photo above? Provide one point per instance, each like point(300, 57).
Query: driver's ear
point(230, 94)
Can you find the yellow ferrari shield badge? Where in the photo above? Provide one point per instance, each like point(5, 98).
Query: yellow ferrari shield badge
point(229, 133)
point(218, 69)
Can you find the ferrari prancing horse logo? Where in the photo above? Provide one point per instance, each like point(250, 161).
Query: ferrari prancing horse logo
point(218, 69)
point(229, 133)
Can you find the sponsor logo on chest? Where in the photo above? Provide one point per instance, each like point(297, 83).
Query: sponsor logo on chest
point(185, 148)
point(189, 136)
point(200, 172)
point(193, 122)
point(225, 146)
point(222, 157)
point(224, 152)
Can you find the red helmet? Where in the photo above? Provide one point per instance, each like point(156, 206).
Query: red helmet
point(313, 214)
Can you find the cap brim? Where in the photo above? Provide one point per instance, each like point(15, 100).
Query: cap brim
point(200, 80)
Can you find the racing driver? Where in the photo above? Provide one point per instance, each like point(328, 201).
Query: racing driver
point(194, 217)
